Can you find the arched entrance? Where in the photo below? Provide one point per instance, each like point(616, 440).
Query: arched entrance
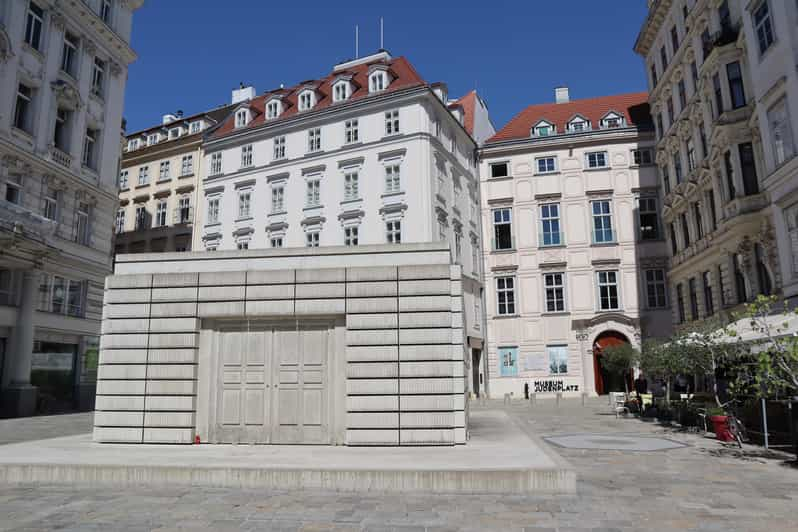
point(606, 381)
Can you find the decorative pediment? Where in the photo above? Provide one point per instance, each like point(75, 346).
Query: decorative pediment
point(543, 128)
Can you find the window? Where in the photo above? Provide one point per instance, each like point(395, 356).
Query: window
point(246, 156)
point(558, 359)
point(580, 124)
point(508, 360)
point(505, 296)
point(655, 289)
point(33, 26)
point(721, 291)
point(377, 81)
point(305, 100)
point(674, 39)
point(314, 139)
point(748, 167)
point(762, 273)
point(216, 163)
point(596, 159)
point(141, 217)
point(50, 210)
point(649, 218)
point(276, 242)
point(184, 210)
point(341, 91)
point(89, 149)
point(764, 27)
point(727, 162)
point(313, 196)
point(273, 109)
point(671, 113)
point(642, 157)
point(152, 139)
point(550, 234)
point(105, 11)
point(499, 170)
point(699, 222)
point(392, 122)
point(119, 223)
point(654, 79)
point(442, 232)
point(195, 127)
point(351, 131)
point(677, 167)
point(61, 132)
point(680, 302)
point(175, 132)
point(393, 232)
point(739, 280)
point(694, 76)
point(713, 220)
point(475, 255)
point(244, 244)
point(546, 165)
point(242, 117)
point(82, 233)
point(781, 132)
point(682, 95)
point(602, 222)
point(14, 190)
point(61, 296)
point(351, 188)
point(458, 246)
point(703, 135)
point(213, 211)
point(685, 229)
point(554, 286)
point(502, 229)
point(724, 14)
point(144, 175)
point(393, 181)
point(164, 173)
point(674, 242)
point(312, 239)
point(279, 148)
point(98, 77)
point(123, 180)
point(608, 290)
point(690, 155)
point(691, 288)
point(611, 122)
point(736, 88)
point(244, 198)
point(187, 165)
point(350, 236)
point(666, 178)
point(660, 127)
point(69, 55)
point(663, 57)
point(133, 144)
point(709, 305)
point(716, 88)
point(160, 214)
point(23, 118)
point(278, 199)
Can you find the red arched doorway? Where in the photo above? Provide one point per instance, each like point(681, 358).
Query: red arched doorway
point(606, 382)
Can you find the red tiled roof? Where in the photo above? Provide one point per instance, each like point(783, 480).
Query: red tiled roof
point(634, 107)
point(402, 72)
point(468, 103)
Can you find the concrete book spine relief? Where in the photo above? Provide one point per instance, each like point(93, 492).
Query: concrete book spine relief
point(264, 354)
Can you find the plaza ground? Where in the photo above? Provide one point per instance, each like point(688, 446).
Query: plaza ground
point(702, 486)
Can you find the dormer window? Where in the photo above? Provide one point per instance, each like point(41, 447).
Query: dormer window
point(273, 109)
point(133, 144)
point(196, 127)
point(175, 132)
point(378, 81)
point(543, 129)
point(242, 117)
point(341, 91)
point(307, 99)
point(612, 120)
point(153, 139)
point(578, 124)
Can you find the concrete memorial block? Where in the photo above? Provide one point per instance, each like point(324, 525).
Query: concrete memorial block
point(167, 366)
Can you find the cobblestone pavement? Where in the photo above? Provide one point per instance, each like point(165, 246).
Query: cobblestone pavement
point(704, 486)
point(41, 427)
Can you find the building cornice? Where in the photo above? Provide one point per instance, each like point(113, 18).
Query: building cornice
point(98, 30)
point(600, 136)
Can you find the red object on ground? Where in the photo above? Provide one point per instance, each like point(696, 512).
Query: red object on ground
point(721, 426)
point(197, 439)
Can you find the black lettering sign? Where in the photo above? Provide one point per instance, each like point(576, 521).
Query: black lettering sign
point(552, 386)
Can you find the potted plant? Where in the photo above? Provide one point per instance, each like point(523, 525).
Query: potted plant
point(720, 423)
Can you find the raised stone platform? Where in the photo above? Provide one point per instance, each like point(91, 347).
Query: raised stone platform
point(499, 458)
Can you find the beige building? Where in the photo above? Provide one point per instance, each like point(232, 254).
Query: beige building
point(712, 162)
point(158, 183)
point(574, 253)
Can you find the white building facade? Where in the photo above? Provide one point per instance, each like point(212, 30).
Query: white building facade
point(575, 258)
point(63, 69)
point(370, 154)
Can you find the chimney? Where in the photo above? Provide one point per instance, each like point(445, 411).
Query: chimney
point(561, 95)
point(243, 93)
point(179, 113)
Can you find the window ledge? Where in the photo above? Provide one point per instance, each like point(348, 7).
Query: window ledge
point(598, 169)
point(126, 189)
point(142, 185)
point(312, 207)
point(163, 180)
point(500, 178)
point(351, 200)
point(183, 176)
point(353, 144)
point(555, 172)
point(391, 194)
point(609, 311)
point(603, 244)
point(558, 313)
point(244, 219)
point(552, 246)
point(278, 213)
point(506, 316)
point(504, 251)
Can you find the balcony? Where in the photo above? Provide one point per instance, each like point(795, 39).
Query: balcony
point(18, 225)
point(60, 157)
point(726, 35)
point(183, 215)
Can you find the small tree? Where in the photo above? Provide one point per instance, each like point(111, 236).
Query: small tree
point(665, 360)
point(621, 359)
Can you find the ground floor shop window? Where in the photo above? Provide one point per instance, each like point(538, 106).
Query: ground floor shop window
point(558, 359)
point(508, 360)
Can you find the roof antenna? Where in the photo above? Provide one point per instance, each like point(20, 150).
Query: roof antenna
point(382, 45)
point(357, 38)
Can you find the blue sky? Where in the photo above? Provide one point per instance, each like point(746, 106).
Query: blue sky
point(192, 53)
